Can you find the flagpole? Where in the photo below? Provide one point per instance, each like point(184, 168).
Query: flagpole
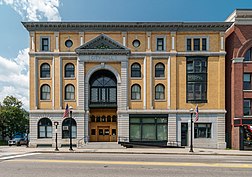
point(191, 142)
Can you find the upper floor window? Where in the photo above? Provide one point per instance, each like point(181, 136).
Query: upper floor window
point(45, 128)
point(248, 55)
point(135, 70)
point(136, 92)
point(160, 92)
point(196, 79)
point(198, 43)
point(247, 107)
point(160, 70)
point(247, 82)
point(160, 44)
point(45, 92)
point(189, 44)
point(202, 130)
point(69, 70)
point(45, 44)
point(45, 70)
point(69, 92)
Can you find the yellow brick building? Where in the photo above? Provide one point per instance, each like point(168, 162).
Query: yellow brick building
point(127, 82)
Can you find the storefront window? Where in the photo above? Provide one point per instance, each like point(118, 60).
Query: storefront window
point(148, 128)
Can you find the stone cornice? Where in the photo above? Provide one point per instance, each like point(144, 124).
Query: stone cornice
point(126, 26)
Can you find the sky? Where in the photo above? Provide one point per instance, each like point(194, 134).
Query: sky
point(14, 48)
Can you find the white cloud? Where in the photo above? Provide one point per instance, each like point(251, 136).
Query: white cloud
point(14, 78)
point(35, 10)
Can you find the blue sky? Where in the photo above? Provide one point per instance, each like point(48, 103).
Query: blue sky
point(14, 46)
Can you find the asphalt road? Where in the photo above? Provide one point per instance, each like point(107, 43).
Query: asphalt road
point(124, 165)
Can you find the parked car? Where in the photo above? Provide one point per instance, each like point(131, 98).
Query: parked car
point(18, 141)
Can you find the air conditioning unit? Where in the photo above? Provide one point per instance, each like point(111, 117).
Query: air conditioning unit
point(65, 127)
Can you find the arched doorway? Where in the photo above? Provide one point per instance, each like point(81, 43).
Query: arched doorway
point(103, 106)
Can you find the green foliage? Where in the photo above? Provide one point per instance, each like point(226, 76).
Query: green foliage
point(13, 118)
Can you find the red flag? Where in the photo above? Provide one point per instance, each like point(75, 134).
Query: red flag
point(196, 113)
point(66, 113)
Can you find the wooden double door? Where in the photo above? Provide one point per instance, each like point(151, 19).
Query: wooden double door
point(103, 133)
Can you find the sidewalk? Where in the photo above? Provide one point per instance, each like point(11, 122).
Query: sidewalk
point(175, 151)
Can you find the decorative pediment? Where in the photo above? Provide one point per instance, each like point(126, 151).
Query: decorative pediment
point(102, 45)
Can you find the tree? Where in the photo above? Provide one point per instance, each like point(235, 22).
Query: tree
point(13, 118)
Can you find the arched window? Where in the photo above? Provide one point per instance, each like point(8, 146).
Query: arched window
point(248, 55)
point(160, 70)
point(103, 89)
point(45, 70)
point(135, 70)
point(66, 128)
point(45, 92)
point(69, 70)
point(159, 92)
point(69, 92)
point(45, 128)
point(135, 92)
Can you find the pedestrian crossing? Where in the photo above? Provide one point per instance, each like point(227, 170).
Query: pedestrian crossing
point(7, 156)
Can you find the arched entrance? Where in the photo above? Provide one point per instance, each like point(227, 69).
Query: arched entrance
point(103, 106)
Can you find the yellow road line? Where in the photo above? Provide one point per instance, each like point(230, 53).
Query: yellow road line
point(185, 164)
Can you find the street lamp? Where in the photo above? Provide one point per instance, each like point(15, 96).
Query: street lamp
point(56, 133)
point(191, 143)
point(70, 128)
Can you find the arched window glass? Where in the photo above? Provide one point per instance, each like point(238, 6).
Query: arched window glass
point(45, 70)
point(135, 70)
point(248, 55)
point(69, 70)
point(135, 92)
point(69, 92)
point(66, 128)
point(45, 92)
point(103, 89)
point(160, 70)
point(45, 128)
point(160, 92)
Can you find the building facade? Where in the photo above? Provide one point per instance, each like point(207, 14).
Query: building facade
point(132, 82)
point(238, 82)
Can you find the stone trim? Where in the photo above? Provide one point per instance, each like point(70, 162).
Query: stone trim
point(126, 26)
point(238, 60)
point(163, 111)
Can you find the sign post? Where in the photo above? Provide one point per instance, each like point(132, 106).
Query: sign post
point(56, 133)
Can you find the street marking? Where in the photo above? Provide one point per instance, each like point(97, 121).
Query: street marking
point(222, 165)
point(17, 156)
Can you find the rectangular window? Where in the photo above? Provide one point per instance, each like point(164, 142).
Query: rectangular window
point(247, 107)
point(189, 44)
point(202, 130)
point(148, 129)
point(204, 44)
point(196, 79)
point(196, 44)
point(247, 82)
point(160, 44)
point(45, 44)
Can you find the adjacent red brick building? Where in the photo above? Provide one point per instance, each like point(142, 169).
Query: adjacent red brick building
point(239, 78)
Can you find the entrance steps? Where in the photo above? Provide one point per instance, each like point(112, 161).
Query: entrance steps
point(101, 145)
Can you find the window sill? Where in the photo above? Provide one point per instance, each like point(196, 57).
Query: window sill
point(196, 101)
point(46, 100)
point(247, 90)
point(160, 78)
point(160, 100)
point(247, 116)
point(136, 100)
point(69, 100)
point(136, 78)
point(69, 78)
point(45, 78)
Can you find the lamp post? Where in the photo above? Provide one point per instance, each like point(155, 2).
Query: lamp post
point(56, 133)
point(191, 142)
point(70, 128)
